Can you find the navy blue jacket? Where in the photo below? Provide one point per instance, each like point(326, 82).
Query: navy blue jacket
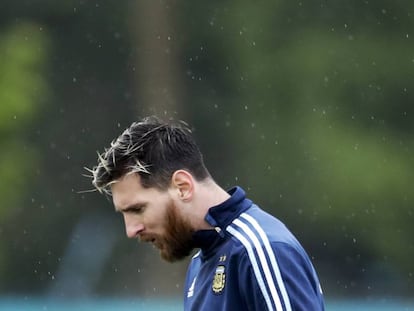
point(251, 261)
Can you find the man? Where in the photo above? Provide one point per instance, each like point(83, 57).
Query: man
point(248, 260)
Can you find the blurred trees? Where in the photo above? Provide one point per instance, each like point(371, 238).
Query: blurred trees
point(84, 82)
point(307, 105)
point(317, 97)
point(24, 50)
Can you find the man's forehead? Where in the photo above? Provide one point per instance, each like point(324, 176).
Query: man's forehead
point(125, 189)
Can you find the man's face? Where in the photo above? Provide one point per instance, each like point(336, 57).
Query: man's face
point(151, 215)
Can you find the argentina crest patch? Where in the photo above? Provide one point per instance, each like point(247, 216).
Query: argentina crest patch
point(219, 279)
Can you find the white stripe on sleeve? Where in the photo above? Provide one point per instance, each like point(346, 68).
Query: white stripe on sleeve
point(256, 269)
point(263, 262)
point(272, 257)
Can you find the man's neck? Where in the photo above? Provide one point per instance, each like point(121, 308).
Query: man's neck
point(208, 194)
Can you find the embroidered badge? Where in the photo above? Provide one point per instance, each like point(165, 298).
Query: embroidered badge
point(219, 279)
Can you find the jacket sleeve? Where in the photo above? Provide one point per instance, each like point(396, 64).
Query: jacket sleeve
point(250, 292)
point(299, 277)
point(285, 282)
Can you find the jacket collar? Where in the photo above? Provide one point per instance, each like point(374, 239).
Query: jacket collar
point(219, 217)
point(223, 214)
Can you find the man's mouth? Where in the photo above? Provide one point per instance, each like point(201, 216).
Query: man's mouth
point(153, 241)
point(156, 243)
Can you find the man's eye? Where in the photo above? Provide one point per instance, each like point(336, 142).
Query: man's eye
point(135, 209)
point(138, 209)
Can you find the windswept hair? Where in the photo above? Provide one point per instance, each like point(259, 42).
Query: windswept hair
point(154, 150)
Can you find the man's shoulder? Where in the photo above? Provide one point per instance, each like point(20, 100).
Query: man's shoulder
point(255, 227)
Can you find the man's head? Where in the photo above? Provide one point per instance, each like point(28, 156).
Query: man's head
point(150, 171)
point(156, 216)
point(154, 150)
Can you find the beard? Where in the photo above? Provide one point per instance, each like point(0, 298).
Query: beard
point(177, 242)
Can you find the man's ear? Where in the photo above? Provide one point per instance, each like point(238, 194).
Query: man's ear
point(183, 181)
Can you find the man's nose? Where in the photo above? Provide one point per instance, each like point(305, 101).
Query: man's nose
point(132, 228)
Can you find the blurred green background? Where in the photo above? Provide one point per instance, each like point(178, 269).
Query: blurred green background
point(307, 105)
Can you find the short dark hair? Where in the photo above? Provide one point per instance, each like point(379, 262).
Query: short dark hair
point(153, 149)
